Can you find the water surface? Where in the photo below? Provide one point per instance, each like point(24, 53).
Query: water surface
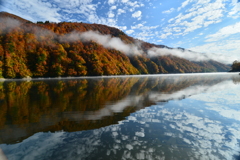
point(192, 116)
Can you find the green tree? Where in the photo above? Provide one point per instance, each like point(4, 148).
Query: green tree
point(235, 66)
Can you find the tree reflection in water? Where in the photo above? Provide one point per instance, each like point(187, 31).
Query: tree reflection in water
point(29, 107)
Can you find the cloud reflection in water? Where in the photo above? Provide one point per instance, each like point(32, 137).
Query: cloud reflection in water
point(198, 127)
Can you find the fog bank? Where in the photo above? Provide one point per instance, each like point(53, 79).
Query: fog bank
point(134, 49)
point(108, 41)
point(189, 55)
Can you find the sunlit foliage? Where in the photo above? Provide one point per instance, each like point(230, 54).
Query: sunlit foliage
point(39, 50)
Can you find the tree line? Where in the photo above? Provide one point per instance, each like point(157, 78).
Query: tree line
point(236, 66)
point(34, 50)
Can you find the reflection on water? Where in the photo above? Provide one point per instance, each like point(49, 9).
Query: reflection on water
point(156, 117)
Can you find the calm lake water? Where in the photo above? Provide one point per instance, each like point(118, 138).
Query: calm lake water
point(165, 117)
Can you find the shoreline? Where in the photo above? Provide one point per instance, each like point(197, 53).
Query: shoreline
point(116, 76)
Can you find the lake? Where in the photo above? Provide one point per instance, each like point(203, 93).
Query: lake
point(164, 117)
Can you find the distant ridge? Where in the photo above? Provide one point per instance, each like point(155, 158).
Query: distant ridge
point(9, 15)
point(46, 49)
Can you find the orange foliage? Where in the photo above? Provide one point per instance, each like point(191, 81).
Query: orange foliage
point(36, 50)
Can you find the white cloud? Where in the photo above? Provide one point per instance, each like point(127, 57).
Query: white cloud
point(120, 11)
point(72, 10)
point(138, 26)
point(221, 50)
point(88, 11)
point(110, 15)
point(113, 7)
point(75, 10)
point(235, 11)
point(212, 100)
point(137, 14)
point(159, 41)
point(164, 36)
point(124, 1)
point(201, 14)
point(168, 11)
point(37, 9)
point(131, 6)
point(134, 4)
point(224, 32)
point(75, 4)
point(184, 4)
point(144, 32)
point(145, 35)
point(122, 27)
point(176, 29)
point(143, 27)
point(129, 31)
point(111, 1)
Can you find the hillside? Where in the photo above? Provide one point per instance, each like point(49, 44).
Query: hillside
point(45, 49)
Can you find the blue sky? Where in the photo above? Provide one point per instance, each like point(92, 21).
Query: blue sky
point(209, 26)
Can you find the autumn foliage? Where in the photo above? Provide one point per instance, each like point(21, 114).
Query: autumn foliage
point(37, 50)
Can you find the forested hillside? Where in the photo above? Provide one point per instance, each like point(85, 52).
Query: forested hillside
point(45, 49)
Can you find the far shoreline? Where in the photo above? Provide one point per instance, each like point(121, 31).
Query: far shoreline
point(116, 76)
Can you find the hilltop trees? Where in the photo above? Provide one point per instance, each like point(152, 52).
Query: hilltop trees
point(54, 49)
point(235, 66)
